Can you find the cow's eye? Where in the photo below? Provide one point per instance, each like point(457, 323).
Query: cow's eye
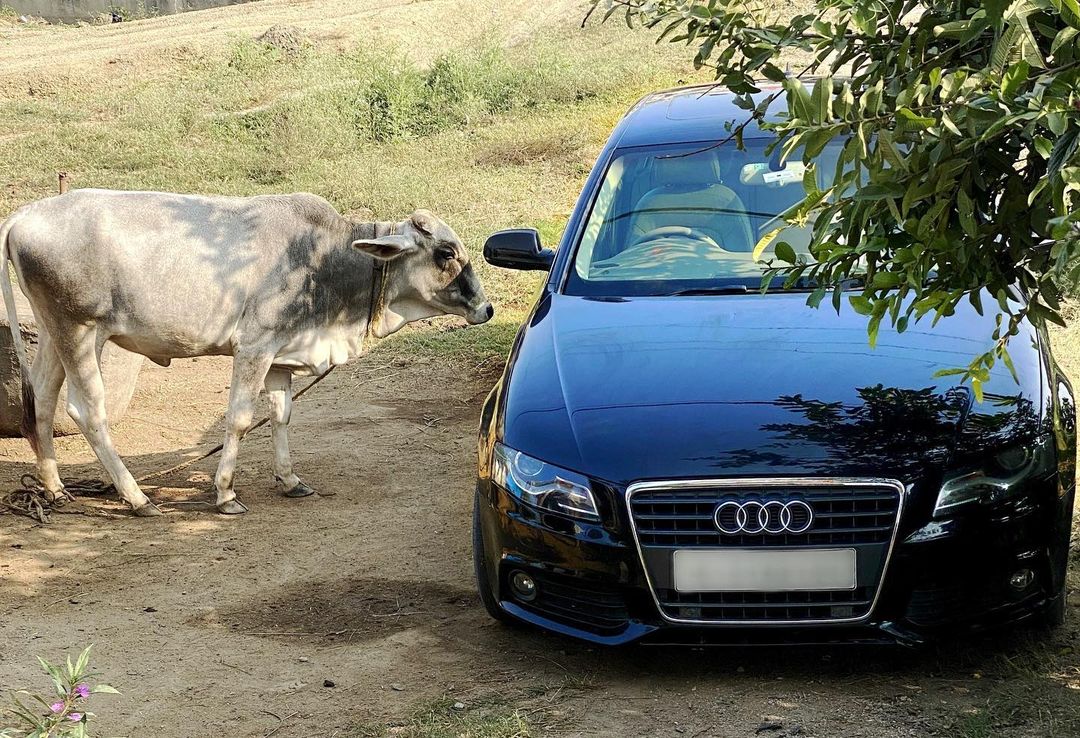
point(444, 254)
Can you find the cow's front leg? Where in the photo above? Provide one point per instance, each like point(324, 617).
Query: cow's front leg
point(279, 392)
point(248, 375)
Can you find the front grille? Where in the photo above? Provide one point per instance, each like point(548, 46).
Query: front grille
point(594, 607)
point(850, 513)
point(842, 516)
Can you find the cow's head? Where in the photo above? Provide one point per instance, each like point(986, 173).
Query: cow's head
point(427, 273)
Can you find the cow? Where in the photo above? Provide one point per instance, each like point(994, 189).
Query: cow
point(282, 283)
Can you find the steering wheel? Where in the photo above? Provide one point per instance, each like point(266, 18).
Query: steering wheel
point(684, 231)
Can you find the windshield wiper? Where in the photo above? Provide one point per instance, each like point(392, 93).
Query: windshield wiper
point(808, 285)
point(731, 289)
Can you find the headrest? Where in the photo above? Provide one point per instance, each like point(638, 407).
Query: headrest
point(699, 169)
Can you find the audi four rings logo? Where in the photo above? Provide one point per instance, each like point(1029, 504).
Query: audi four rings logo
point(770, 516)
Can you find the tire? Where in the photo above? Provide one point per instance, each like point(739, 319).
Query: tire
point(483, 581)
point(1053, 616)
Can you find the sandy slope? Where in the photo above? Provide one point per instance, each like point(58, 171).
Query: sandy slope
point(423, 27)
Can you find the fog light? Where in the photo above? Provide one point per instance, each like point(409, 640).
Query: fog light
point(523, 585)
point(1021, 579)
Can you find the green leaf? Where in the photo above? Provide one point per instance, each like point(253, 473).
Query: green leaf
point(1005, 45)
point(773, 73)
point(861, 304)
point(1042, 146)
point(965, 208)
point(975, 298)
point(83, 661)
point(784, 252)
point(1014, 76)
point(949, 125)
point(889, 152)
point(920, 121)
point(1063, 150)
point(799, 103)
point(1064, 37)
point(872, 328)
point(104, 689)
point(1007, 360)
point(822, 99)
point(879, 191)
point(887, 280)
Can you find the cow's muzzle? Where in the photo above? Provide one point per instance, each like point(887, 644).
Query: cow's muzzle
point(481, 314)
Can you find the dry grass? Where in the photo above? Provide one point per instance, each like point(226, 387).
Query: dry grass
point(554, 147)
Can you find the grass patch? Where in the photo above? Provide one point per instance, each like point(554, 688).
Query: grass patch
point(548, 147)
point(537, 709)
point(975, 723)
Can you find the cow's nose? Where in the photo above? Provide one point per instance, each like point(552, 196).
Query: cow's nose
point(482, 314)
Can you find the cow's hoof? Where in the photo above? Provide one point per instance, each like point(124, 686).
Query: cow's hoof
point(149, 510)
point(231, 507)
point(300, 490)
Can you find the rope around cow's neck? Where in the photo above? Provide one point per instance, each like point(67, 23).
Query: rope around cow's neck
point(377, 300)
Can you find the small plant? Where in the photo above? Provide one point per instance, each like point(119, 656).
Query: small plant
point(65, 714)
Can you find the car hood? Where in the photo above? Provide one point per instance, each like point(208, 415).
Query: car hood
point(750, 385)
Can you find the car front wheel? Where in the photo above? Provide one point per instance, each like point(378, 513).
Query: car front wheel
point(483, 581)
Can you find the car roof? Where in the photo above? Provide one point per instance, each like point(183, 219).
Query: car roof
point(689, 114)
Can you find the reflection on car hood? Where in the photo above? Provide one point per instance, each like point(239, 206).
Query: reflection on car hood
point(680, 387)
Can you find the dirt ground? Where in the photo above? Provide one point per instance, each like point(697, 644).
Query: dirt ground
point(215, 626)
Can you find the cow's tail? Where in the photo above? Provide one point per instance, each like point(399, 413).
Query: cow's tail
point(29, 415)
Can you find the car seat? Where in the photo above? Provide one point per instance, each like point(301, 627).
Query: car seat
point(693, 196)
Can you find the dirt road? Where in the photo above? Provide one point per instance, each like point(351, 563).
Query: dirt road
point(214, 626)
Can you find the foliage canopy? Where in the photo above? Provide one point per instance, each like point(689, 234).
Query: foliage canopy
point(959, 177)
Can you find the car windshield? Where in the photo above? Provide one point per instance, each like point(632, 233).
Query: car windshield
point(686, 218)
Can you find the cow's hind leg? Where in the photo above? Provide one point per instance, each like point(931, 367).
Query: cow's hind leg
point(279, 391)
point(78, 348)
point(46, 376)
point(249, 372)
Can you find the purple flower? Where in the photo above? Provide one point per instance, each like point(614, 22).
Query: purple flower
point(83, 690)
point(75, 717)
point(57, 706)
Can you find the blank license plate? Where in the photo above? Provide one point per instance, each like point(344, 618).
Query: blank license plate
point(764, 571)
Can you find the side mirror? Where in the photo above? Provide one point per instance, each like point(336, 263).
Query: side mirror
point(518, 248)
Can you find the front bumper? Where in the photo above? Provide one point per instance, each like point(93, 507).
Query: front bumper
point(944, 577)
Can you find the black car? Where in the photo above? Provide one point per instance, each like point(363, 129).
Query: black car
point(672, 455)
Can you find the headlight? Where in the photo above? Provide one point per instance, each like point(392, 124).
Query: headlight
point(542, 485)
point(1003, 478)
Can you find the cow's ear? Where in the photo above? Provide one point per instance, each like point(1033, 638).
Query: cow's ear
point(424, 222)
point(386, 247)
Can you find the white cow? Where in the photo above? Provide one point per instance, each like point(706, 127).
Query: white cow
point(283, 284)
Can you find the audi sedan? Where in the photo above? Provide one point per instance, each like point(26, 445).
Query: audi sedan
point(673, 456)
